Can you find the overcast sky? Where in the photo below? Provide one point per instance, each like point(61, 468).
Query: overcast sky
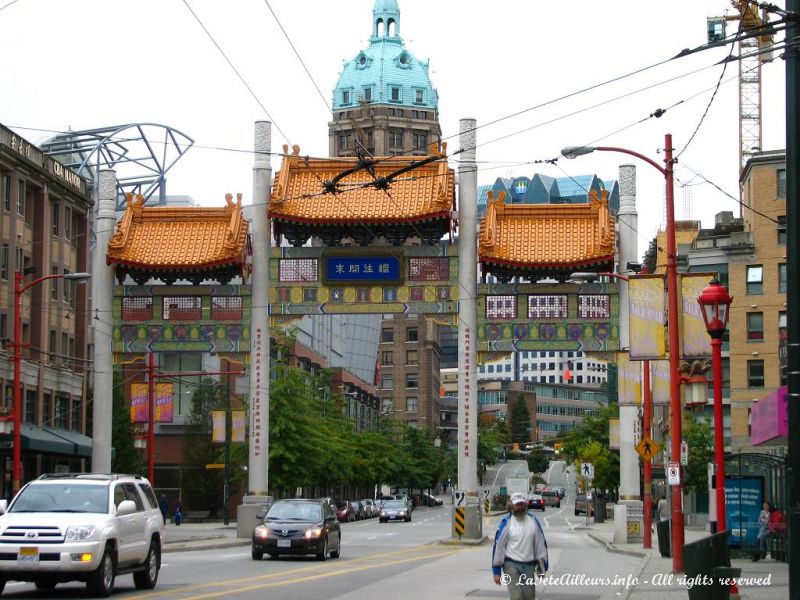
point(83, 64)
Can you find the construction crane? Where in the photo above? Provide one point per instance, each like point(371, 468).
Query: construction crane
point(753, 52)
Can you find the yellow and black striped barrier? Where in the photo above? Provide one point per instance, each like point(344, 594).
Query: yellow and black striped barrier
point(459, 521)
point(486, 506)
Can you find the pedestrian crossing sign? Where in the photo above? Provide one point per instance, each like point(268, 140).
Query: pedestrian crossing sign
point(647, 448)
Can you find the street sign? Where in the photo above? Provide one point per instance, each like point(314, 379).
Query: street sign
point(587, 470)
point(647, 448)
point(215, 466)
point(674, 474)
point(684, 453)
point(459, 497)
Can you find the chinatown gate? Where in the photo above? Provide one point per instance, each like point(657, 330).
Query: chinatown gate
point(377, 227)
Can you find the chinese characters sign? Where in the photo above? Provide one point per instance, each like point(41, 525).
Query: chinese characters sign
point(362, 269)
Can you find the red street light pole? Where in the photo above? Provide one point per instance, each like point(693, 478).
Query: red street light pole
point(676, 432)
point(714, 302)
point(20, 287)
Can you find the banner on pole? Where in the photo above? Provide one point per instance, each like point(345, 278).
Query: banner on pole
point(647, 317)
point(218, 427)
point(629, 380)
point(238, 425)
point(164, 402)
point(139, 398)
point(659, 378)
point(695, 341)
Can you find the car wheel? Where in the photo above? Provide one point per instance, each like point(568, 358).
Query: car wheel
point(101, 581)
point(337, 553)
point(272, 556)
point(257, 554)
point(147, 579)
point(45, 584)
point(2, 584)
point(382, 520)
point(324, 554)
point(576, 512)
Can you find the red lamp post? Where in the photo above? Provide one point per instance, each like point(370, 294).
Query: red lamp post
point(675, 414)
point(714, 302)
point(20, 287)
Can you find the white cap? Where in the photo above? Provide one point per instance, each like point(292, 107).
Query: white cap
point(518, 498)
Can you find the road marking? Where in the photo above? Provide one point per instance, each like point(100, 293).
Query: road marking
point(546, 524)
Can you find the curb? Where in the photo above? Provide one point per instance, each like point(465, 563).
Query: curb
point(464, 542)
point(610, 547)
point(190, 545)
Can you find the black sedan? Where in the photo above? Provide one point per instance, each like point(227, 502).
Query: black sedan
point(535, 501)
point(394, 510)
point(298, 527)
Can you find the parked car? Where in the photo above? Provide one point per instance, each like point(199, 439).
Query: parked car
point(394, 510)
point(426, 499)
point(344, 511)
point(535, 501)
point(561, 491)
point(330, 501)
point(551, 498)
point(370, 508)
point(584, 501)
point(358, 509)
point(298, 527)
point(111, 522)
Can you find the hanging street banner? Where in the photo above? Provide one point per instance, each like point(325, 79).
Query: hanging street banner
point(659, 379)
point(695, 341)
point(647, 317)
point(139, 397)
point(629, 380)
point(238, 425)
point(218, 427)
point(164, 402)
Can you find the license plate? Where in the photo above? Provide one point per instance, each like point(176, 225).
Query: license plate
point(284, 543)
point(28, 555)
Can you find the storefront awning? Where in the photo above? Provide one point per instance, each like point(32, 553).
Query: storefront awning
point(48, 440)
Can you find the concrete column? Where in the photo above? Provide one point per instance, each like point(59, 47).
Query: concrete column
point(627, 222)
point(102, 319)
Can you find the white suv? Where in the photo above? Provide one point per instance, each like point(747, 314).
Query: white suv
point(82, 526)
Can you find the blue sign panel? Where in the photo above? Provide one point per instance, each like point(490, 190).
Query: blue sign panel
point(743, 499)
point(363, 269)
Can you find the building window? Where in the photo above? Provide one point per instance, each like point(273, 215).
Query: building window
point(411, 381)
point(547, 306)
point(30, 406)
point(394, 93)
point(395, 138)
point(51, 358)
point(76, 222)
point(3, 325)
point(182, 308)
point(368, 94)
point(55, 212)
point(67, 286)
point(387, 335)
point(21, 199)
point(68, 223)
point(781, 227)
point(420, 139)
point(755, 279)
point(75, 416)
point(344, 141)
point(387, 381)
point(137, 308)
point(755, 326)
point(594, 306)
point(419, 96)
point(501, 307)
point(298, 270)
point(6, 191)
point(4, 262)
point(412, 357)
point(47, 409)
point(411, 405)
point(387, 357)
point(54, 284)
point(412, 334)
point(345, 96)
point(226, 308)
point(755, 373)
point(62, 411)
point(781, 180)
point(782, 281)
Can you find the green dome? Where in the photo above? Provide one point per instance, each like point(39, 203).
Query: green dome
point(385, 72)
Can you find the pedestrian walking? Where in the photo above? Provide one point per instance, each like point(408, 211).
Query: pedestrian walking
point(177, 512)
point(519, 553)
point(777, 529)
point(763, 533)
point(163, 506)
point(663, 510)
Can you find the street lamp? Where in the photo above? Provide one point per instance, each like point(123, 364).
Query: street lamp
point(676, 434)
point(20, 287)
point(714, 302)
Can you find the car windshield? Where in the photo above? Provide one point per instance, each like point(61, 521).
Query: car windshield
point(394, 504)
point(61, 497)
point(294, 511)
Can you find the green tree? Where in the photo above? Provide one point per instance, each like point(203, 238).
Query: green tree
point(606, 465)
point(126, 458)
point(492, 436)
point(520, 421)
point(588, 442)
point(538, 461)
point(699, 437)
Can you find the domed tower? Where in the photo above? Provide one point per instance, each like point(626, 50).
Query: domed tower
point(384, 100)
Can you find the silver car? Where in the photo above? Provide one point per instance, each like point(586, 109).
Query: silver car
point(370, 508)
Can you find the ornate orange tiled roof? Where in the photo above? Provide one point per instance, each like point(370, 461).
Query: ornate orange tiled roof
point(184, 238)
point(423, 193)
point(547, 235)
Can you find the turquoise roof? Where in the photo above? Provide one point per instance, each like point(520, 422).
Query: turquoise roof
point(385, 72)
point(483, 198)
point(543, 189)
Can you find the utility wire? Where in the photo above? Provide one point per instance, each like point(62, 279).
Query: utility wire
point(2, 8)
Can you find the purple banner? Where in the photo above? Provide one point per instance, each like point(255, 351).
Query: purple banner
point(769, 419)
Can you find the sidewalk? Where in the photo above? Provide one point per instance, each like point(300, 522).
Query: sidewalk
point(201, 536)
point(655, 583)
